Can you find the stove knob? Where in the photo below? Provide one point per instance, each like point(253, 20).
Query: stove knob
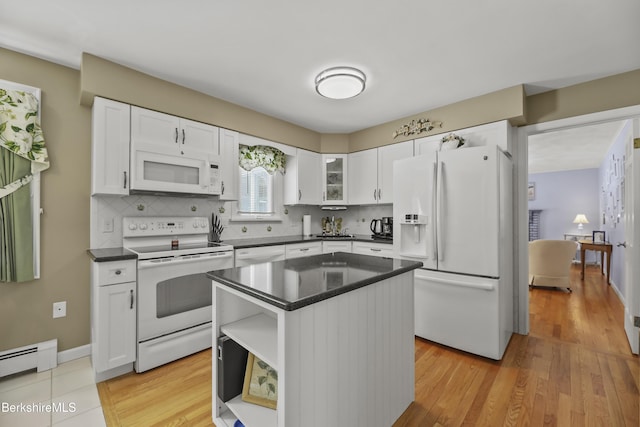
point(143, 226)
point(133, 227)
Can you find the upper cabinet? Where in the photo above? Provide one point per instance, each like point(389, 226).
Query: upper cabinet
point(371, 173)
point(302, 181)
point(334, 179)
point(110, 147)
point(169, 134)
point(229, 164)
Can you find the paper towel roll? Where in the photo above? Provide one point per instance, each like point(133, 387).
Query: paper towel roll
point(306, 225)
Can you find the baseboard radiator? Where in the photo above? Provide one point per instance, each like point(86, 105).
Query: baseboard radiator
point(41, 356)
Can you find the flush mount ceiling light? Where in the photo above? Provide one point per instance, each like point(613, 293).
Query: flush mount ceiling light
point(340, 82)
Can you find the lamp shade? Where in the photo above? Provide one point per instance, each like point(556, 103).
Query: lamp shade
point(340, 82)
point(581, 219)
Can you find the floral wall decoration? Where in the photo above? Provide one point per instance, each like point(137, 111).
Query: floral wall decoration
point(415, 127)
point(270, 158)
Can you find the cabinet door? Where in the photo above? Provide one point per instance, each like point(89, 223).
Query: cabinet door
point(332, 246)
point(228, 164)
point(298, 250)
point(110, 132)
point(302, 184)
point(116, 326)
point(373, 249)
point(334, 179)
point(198, 138)
point(363, 170)
point(248, 256)
point(156, 131)
point(386, 156)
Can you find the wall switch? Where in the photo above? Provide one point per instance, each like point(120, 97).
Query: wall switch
point(107, 225)
point(59, 309)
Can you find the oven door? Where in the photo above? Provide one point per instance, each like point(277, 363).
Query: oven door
point(175, 293)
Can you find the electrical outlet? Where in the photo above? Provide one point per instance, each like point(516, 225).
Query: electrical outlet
point(107, 225)
point(59, 309)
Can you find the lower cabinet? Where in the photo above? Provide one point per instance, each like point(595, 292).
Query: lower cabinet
point(298, 250)
point(336, 246)
point(373, 249)
point(113, 318)
point(256, 255)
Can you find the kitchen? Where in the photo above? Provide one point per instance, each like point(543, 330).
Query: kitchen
point(66, 202)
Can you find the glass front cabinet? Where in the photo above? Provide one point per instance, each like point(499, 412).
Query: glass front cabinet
point(334, 179)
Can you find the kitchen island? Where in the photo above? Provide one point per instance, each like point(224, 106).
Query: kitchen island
point(337, 328)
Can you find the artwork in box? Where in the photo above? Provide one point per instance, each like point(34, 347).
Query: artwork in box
point(260, 383)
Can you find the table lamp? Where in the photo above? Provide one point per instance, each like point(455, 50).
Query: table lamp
point(580, 219)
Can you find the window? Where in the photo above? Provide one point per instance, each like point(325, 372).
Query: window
point(256, 192)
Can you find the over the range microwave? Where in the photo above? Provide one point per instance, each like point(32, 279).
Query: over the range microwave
point(156, 172)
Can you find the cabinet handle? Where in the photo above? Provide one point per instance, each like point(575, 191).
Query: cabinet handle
point(304, 249)
point(323, 196)
point(222, 187)
point(131, 294)
point(379, 191)
point(176, 135)
point(118, 272)
point(375, 250)
point(299, 194)
point(374, 194)
point(125, 180)
point(183, 136)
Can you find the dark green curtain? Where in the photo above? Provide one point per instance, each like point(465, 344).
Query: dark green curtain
point(16, 231)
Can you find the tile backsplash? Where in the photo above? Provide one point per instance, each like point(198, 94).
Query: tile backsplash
point(107, 213)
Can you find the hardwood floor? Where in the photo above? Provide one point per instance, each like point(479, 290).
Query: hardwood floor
point(575, 368)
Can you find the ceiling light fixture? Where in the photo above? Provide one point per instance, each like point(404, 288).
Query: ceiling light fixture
point(340, 82)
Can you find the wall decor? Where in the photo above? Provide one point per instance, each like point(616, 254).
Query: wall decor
point(531, 191)
point(415, 127)
point(260, 383)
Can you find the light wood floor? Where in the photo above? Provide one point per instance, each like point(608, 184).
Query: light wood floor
point(574, 369)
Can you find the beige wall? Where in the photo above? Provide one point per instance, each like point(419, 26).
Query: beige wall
point(109, 80)
point(26, 308)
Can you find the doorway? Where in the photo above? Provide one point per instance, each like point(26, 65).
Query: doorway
point(522, 202)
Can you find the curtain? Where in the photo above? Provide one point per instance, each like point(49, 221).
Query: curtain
point(22, 154)
point(270, 158)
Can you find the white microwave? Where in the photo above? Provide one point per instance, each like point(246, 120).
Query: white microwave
point(155, 172)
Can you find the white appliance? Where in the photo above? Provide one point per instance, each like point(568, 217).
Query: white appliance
point(174, 294)
point(153, 171)
point(452, 211)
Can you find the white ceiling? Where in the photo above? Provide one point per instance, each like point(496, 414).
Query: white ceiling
point(571, 149)
point(264, 55)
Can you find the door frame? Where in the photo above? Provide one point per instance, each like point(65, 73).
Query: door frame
point(521, 226)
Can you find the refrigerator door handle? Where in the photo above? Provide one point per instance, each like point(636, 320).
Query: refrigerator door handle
point(449, 282)
point(440, 218)
point(434, 251)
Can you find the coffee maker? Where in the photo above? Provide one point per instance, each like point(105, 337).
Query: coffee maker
point(387, 226)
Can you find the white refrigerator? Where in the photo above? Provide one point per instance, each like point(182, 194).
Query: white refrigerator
point(452, 210)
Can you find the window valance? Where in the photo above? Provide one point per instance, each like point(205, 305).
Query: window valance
point(270, 158)
point(20, 130)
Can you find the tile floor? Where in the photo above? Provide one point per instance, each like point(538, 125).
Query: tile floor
point(65, 396)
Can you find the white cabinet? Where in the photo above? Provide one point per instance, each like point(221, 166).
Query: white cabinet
point(298, 250)
point(229, 147)
point(363, 185)
point(330, 246)
point(169, 134)
point(110, 131)
point(373, 249)
point(255, 255)
point(371, 173)
point(334, 179)
point(113, 317)
point(302, 180)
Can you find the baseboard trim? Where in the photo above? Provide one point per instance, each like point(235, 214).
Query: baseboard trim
point(618, 293)
point(74, 353)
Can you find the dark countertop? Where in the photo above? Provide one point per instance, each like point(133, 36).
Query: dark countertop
point(299, 282)
point(283, 240)
point(110, 254)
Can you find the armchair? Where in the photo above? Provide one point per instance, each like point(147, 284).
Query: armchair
point(550, 263)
